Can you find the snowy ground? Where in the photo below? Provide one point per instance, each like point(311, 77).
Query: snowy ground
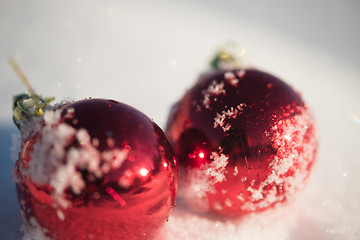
point(147, 54)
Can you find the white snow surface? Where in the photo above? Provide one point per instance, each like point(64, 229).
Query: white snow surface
point(147, 54)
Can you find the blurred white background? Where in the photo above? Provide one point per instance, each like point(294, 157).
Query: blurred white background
point(147, 53)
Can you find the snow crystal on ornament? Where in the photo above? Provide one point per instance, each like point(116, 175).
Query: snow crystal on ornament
point(214, 89)
point(219, 120)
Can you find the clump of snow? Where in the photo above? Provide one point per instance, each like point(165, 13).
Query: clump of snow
point(231, 79)
point(216, 88)
point(33, 231)
point(229, 75)
point(216, 168)
point(84, 157)
point(49, 151)
point(213, 90)
point(199, 182)
point(114, 158)
point(241, 73)
point(290, 167)
point(55, 158)
point(219, 120)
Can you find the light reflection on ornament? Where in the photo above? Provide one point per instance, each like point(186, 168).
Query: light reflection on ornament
point(115, 196)
point(143, 172)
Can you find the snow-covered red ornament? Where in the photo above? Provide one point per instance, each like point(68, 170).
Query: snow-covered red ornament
point(92, 169)
point(245, 140)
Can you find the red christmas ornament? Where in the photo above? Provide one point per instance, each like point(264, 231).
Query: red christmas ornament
point(244, 141)
point(95, 169)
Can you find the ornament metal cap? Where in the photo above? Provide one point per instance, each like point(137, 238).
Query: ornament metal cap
point(27, 106)
point(229, 56)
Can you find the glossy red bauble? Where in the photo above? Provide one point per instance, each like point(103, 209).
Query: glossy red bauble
point(244, 141)
point(95, 169)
